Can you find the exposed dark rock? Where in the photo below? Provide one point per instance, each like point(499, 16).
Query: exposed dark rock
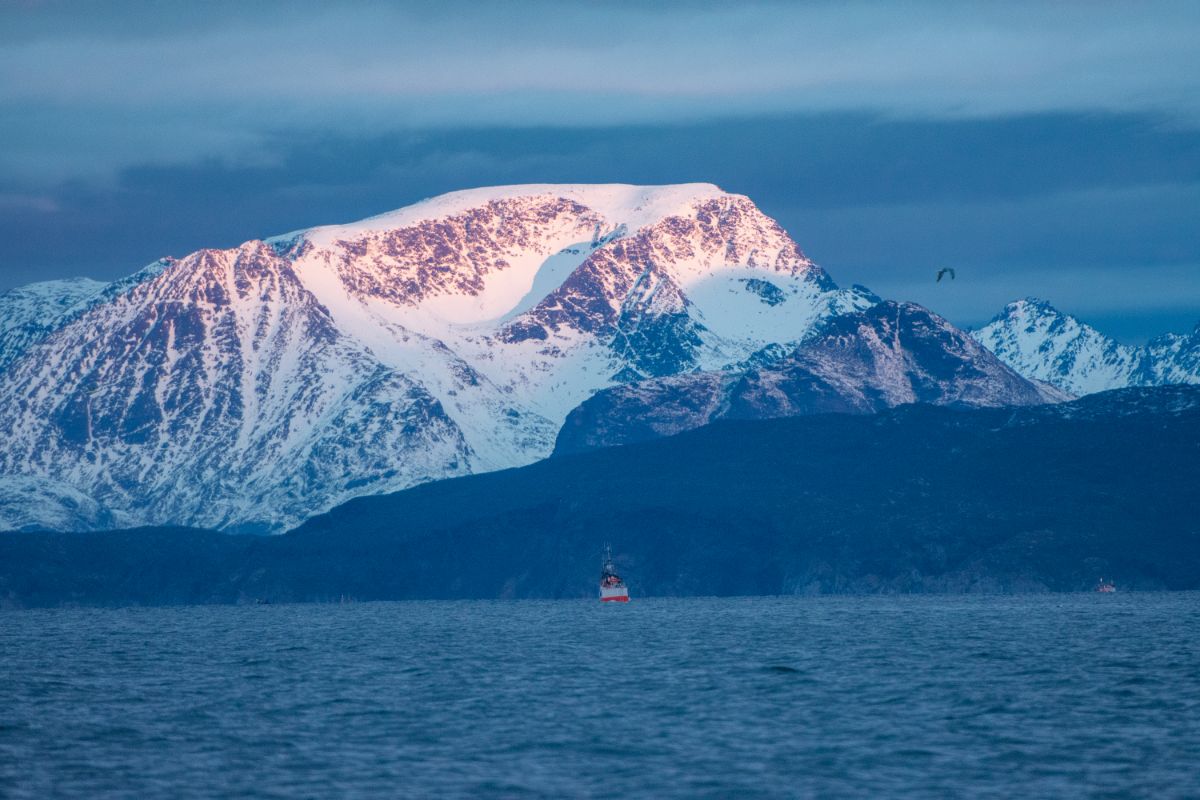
point(768, 292)
point(861, 362)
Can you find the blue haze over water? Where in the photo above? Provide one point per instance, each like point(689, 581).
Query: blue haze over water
point(1058, 695)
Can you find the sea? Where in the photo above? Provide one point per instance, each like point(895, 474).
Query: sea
point(1055, 696)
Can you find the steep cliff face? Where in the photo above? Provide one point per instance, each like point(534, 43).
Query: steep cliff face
point(860, 362)
point(1041, 342)
point(250, 388)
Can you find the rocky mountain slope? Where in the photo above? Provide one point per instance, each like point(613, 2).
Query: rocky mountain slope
point(1042, 343)
point(859, 363)
point(252, 387)
point(29, 313)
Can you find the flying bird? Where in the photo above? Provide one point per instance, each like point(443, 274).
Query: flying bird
point(943, 271)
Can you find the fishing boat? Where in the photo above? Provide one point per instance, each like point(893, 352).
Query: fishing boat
point(612, 588)
point(1106, 587)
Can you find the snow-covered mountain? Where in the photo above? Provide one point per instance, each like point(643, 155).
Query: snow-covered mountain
point(859, 362)
point(29, 313)
point(1043, 343)
point(253, 387)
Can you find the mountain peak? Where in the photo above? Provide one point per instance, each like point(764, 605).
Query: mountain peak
point(1029, 306)
point(1043, 343)
point(633, 205)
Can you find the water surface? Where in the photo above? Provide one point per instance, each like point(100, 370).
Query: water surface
point(1063, 696)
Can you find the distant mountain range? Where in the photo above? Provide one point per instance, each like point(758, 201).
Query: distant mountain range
point(861, 362)
point(251, 388)
point(914, 499)
point(1042, 343)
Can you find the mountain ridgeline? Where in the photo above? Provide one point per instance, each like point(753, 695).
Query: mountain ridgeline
point(914, 499)
point(1042, 343)
point(250, 388)
point(863, 362)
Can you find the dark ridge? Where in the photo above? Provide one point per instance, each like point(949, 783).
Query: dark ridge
point(916, 499)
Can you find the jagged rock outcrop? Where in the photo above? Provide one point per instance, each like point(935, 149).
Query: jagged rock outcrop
point(1042, 343)
point(858, 363)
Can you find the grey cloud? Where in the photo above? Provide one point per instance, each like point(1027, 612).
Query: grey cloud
point(1020, 141)
point(173, 74)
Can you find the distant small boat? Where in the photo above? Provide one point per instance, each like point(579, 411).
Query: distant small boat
point(612, 588)
point(1105, 587)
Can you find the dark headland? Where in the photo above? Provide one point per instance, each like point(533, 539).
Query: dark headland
point(917, 499)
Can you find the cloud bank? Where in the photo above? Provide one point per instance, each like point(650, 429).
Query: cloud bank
point(1042, 148)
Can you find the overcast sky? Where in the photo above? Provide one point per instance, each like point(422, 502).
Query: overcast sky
point(1048, 148)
